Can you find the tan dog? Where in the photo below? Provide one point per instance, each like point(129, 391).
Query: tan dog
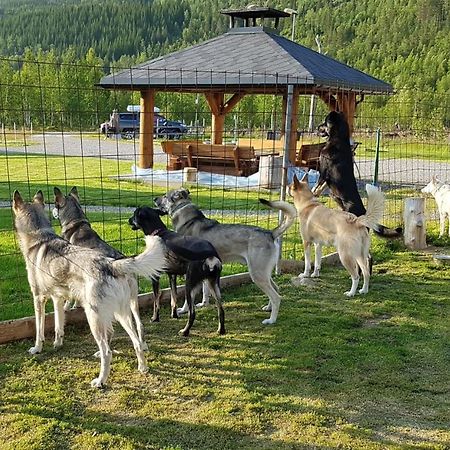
point(320, 225)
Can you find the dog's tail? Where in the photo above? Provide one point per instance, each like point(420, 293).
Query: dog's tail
point(150, 263)
point(379, 229)
point(290, 213)
point(386, 232)
point(375, 208)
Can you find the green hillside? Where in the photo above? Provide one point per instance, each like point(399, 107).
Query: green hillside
point(405, 42)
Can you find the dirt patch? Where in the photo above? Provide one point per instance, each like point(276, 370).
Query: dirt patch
point(375, 321)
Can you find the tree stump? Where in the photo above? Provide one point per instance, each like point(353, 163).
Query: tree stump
point(414, 220)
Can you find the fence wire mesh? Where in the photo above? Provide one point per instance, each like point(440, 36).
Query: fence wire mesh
point(60, 128)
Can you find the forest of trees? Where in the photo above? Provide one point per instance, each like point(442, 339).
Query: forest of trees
point(76, 42)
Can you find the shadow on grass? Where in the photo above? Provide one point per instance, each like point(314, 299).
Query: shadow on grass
point(366, 372)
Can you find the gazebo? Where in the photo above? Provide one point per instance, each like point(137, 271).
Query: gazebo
point(248, 59)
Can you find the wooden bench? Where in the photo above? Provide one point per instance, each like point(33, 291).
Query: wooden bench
point(226, 159)
point(308, 155)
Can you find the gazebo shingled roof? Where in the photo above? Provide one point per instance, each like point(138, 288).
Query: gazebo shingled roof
point(246, 58)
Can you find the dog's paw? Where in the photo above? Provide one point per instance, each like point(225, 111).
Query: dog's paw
point(315, 275)
point(181, 311)
point(303, 275)
point(143, 368)
point(58, 343)
point(268, 321)
point(202, 305)
point(35, 350)
point(184, 332)
point(267, 308)
point(363, 291)
point(97, 383)
point(349, 294)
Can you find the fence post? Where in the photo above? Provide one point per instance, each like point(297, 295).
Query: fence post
point(286, 148)
point(377, 157)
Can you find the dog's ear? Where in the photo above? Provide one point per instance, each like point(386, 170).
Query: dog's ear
point(74, 193)
point(296, 182)
point(39, 197)
point(59, 197)
point(17, 200)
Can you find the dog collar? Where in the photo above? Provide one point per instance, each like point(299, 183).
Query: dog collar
point(74, 224)
point(178, 207)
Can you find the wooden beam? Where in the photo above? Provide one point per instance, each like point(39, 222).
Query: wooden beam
point(146, 129)
point(329, 99)
point(212, 102)
point(232, 102)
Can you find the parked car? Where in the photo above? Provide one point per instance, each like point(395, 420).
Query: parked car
point(128, 126)
point(171, 129)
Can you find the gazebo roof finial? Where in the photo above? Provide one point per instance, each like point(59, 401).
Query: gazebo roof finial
point(251, 13)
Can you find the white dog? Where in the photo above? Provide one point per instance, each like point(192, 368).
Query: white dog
point(441, 193)
point(348, 233)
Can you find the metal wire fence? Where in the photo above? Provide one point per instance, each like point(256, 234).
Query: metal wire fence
point(59, 128)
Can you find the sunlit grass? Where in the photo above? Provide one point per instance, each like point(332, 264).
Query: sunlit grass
point(369, 372)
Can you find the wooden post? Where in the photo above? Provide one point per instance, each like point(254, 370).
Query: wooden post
point(414, 220)
point(146, 129)
point(347, 104)
point(216, 104)
point(217, 128)
point(219, 109)
point(293, 128)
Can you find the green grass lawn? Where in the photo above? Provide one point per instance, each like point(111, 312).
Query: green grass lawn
point(97, 185)
point(334, 373)
point(371, 372)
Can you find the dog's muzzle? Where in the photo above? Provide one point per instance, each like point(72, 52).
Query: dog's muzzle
point(132, 223)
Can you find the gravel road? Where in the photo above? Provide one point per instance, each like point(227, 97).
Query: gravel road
point(84, 144)
point(408, 172)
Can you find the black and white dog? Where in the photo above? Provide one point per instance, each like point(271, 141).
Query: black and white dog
point(336, 170)
point(191, 256)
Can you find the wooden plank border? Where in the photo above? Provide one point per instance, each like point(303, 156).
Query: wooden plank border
point(17, 329)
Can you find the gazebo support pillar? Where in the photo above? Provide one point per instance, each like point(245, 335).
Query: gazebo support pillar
point(344, 102)
point(219, 109)
point(147, 104)
point(347, 104)
point(215, 101)
point(293, 127)
point(217, 128)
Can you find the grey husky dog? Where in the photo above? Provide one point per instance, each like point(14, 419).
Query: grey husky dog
point(60, 270)
point(75, 228)
point(250, 245)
